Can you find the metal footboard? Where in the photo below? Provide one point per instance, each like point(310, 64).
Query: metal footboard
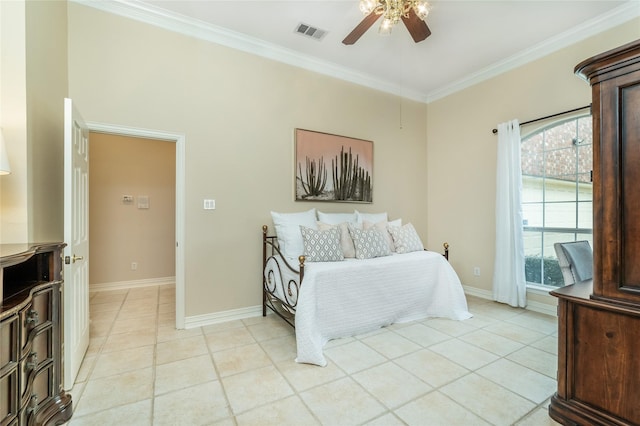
point(280, 280)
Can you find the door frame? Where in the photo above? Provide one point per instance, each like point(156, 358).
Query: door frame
point(179, 140)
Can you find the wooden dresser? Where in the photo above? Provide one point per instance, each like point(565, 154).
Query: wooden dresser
point(599, 321)
point(31, 336)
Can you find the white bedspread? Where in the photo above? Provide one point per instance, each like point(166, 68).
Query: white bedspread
point(340, 299)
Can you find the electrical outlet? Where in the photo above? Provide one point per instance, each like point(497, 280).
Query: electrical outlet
point(476, 271)
point(134, 266)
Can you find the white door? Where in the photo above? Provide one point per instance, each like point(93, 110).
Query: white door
point(76, 235)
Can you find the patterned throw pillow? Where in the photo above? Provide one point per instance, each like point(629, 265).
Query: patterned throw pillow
point(382, 228)
point(321, 246)
point(405, 238)
point(348, 250)
point(369, 243)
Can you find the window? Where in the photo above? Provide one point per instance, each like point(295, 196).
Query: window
point(556, 194)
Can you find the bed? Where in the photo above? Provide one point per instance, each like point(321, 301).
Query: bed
point(354, 296)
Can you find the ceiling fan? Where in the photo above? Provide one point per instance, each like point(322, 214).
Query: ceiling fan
point(411, 12)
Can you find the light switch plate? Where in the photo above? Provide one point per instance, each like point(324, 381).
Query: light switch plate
point(143, 201)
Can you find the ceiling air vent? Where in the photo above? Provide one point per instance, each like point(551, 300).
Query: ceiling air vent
point(309, 31)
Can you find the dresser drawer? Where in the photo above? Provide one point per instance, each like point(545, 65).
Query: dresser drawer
point(9, 331)
point(8, 341)
point(38, 353)
point(8, 403)
point(35, 314)
point(40, 393)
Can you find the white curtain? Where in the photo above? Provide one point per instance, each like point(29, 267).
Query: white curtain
point(509, 283)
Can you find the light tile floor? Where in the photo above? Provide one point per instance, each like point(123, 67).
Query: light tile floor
point(497, 368)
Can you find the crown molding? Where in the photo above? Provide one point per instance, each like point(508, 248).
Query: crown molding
point(195, 28)
point(615, 17)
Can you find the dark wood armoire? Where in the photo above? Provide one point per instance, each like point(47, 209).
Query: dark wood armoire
point(599, 320)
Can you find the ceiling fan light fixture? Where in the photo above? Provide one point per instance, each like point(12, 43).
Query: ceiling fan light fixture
point(412, 13)
point(367, 6)
point(421, 8)
point(385, 26)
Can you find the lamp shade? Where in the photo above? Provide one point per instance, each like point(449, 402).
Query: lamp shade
point(5, 169)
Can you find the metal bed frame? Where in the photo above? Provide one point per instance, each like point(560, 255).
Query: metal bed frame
point(273, 279)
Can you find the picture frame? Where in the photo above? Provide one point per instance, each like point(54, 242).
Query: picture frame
point(332, 168)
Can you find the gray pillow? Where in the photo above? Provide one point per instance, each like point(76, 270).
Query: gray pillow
point(369, 243)
point(405, 238)
point(321, 246)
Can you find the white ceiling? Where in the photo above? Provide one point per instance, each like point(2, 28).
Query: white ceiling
point(470, 40)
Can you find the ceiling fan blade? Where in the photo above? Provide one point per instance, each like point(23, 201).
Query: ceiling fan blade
point(361, 28)
point(416, 26)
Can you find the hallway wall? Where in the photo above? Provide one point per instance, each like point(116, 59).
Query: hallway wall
point(121, 232)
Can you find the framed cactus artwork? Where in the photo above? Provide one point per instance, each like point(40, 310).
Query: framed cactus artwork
point(333, 168)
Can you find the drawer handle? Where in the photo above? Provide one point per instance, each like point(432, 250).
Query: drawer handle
point(33, 404)
point(32, 317)
point(32, 362)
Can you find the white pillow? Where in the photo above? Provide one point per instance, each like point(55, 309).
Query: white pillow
point(406, 239)
point(346, 243)
point(371, 217)
point(369, 243)
point(321, 246)
point(336, 218)
point(397, 222)
point(288, 230)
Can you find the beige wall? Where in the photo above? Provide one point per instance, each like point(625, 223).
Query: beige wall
point(122, 233)
point(462, 150)
point(47, 86)
point(13, 120)
point(33, 86)
point(238, 112)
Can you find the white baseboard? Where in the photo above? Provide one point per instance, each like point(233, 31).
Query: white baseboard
point(478, 292)
point(256, 311)
point(224, 316)
point(120, 285)
point(543, 308)
point(532, 305)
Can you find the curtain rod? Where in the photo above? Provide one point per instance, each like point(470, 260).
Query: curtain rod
point(550, 116)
